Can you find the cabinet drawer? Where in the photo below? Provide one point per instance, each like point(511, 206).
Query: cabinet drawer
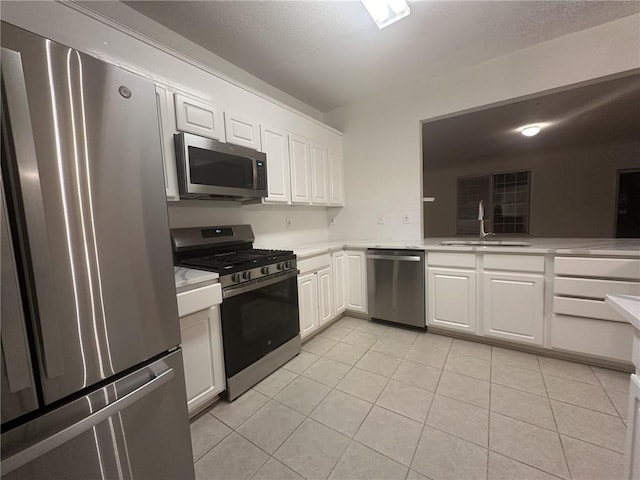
point(314, 263)
point(581, 307)
point(455, 260)
point(623, 268)
point(611, 340)
point(593, 288)
point(199, 299)
point(521, 263)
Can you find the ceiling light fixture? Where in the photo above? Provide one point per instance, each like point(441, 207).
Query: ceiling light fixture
point(385, 12)
point(530, 130)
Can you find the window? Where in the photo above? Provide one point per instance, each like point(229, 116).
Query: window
point(470, 191)
point(510, 204)
point(506, 200)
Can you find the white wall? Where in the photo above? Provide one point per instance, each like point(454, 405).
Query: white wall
point(382, 144)
point(307, 224)
point(103, 39)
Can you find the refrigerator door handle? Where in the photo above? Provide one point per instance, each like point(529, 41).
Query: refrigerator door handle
point(22, 140)
point(38, 449)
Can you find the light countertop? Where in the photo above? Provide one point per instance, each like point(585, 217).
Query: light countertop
point(628, 306)
point(187, 278)
point(562, 246)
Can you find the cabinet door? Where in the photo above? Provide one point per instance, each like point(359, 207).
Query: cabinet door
point(308, 303)
point(339, 283)
point(319, 175)
point(203, 357)
point(300, 169)
point(275, 145)
point(356, 264)
point(513, 306)
point(325, 296)
point(452, 299)
point(241, 130)
point(632, 459)
point(336, 179)
point(198, 116)
point(166, 119)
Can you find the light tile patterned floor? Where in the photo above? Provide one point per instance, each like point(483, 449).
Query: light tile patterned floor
point(366, 400)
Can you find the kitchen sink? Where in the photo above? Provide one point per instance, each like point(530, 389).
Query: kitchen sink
point(487, 243)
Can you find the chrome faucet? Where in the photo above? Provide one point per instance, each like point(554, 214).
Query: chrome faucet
point(483, 234)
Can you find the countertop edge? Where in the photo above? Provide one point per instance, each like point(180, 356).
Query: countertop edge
point(628, 306)
point(603, 250)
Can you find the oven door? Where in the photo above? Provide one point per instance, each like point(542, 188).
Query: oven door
point(257, 319)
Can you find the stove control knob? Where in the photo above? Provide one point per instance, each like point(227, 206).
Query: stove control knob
point(280, 266)
point(235, 277)
point(289, 264)
point(264, 270)
point(246, 275)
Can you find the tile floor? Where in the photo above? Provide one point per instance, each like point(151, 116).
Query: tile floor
point(368, 401)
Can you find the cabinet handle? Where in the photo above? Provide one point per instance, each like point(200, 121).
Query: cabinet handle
point(403, 258)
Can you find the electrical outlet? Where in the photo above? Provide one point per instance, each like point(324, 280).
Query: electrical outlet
point(406, 218)
point(288, 222)
point(380, 219)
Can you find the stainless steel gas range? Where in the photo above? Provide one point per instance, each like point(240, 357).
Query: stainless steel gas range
point(259, 312)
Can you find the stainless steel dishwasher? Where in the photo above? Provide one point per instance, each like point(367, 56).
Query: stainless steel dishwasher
point(396, 285)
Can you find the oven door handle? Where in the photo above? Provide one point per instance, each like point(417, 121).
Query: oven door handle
point(240, 289)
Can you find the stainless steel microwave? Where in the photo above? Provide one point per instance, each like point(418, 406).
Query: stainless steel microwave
point(209, 169)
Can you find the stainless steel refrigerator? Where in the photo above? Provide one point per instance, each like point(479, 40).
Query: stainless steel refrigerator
point(92, 374)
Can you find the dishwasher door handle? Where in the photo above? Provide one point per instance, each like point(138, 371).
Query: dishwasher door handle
point(403, 258)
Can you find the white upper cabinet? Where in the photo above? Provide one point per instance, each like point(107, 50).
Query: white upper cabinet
point(336, 179)
point(319, 175)
point(300, 169)
point(242, 131)
point(275, 145)
point(199, 116)
point(166, 119)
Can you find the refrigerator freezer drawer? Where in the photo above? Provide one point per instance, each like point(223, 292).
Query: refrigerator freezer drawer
point(136, 427)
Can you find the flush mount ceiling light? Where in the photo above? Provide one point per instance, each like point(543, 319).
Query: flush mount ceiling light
point(385, 12)
point(530, 130)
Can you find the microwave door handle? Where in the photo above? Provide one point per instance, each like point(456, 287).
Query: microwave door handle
point(16, 106)
point(255, 173)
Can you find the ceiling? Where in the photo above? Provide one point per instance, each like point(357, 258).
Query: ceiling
point(602, 113)
point(330, 53)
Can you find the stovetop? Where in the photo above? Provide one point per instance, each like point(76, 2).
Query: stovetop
point(237, 261)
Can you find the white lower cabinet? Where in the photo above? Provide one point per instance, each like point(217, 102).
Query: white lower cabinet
point(451, 299)
point(513, 306)
point(308, 303)
point(339, 290)
point(632, 461)
point(356, 283)
point(325, 296)
point(203, 357)
point(315, 299)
